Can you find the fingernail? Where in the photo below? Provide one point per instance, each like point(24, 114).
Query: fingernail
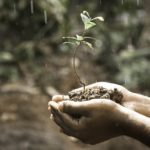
point(51, 117)
point(49, 108)
point(57, 98)
point(54, 110)
point(49, 103)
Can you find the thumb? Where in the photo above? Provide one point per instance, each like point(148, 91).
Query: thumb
point(59, 98)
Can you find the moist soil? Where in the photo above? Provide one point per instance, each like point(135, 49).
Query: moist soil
point(96, 93)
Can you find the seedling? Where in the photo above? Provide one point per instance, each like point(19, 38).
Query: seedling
point(80, 40)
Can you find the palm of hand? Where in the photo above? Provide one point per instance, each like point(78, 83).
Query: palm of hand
point(97, 120)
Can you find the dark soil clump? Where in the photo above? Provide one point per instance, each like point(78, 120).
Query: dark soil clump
point(96, 93)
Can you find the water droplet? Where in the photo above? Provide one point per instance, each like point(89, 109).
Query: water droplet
point(46, 66)
point(100, 1)
point(45, 16)
point(32, 6)
point(125, 81)
point(138, 2)
point(14, 8)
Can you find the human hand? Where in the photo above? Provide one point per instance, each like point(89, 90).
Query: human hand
point(108, 86)
point(133, 101)
point(90, 121)
point(98, 120)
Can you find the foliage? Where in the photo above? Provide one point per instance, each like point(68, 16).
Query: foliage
point(88, 21)
point(88, 24)
point(80, 40)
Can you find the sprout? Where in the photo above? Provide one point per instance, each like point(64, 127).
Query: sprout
point(79, 40)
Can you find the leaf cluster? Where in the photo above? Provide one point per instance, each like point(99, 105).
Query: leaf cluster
point(88, 24)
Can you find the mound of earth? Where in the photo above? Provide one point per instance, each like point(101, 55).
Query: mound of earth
point(96, 93)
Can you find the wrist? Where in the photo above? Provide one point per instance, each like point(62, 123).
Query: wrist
point(138, 103)
point(134, 125)
point(139, 98)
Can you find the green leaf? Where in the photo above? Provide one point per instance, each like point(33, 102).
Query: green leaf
point(87, 14)
point(79, 37)
point(98, 18)
point(72, 43)
point(78, 43)
point(88, 44)
point(89, 25)
point(87, 20)
point(88, 37)
point(69, 37)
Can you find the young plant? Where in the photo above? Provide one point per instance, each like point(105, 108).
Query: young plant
point(79, 40)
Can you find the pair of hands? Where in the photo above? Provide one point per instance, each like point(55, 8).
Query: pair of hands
point(98, 120)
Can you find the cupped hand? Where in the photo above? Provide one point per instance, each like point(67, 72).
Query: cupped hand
point(90, 121)
point(130, 100)
point(97, 120)
point(108, 86)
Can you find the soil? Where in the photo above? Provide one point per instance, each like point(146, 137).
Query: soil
point(96, 93)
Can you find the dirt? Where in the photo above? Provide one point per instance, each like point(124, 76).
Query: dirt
point(96, 93)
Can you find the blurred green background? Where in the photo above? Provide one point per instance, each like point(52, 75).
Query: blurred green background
point(35, 65)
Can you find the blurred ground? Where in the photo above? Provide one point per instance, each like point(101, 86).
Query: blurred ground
point(25, 125)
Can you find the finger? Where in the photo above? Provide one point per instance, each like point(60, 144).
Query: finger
point(51, 117)
point(73, 108)
point(59, 98)
point(62, 119)
point(67, 132)
point(54, 105)
point(49, 108)
point(84, 108)
point(58, 121)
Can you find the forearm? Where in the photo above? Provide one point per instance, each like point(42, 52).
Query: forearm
point(135, 125)
point(138, 103)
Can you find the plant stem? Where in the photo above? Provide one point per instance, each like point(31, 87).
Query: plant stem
point(74, 66)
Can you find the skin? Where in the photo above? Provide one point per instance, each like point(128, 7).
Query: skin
point(101, 120)
point(133, 101)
